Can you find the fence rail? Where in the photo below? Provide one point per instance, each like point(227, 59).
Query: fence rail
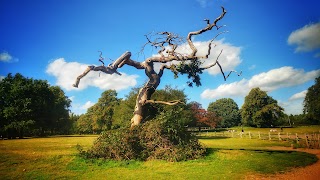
point(305, 140)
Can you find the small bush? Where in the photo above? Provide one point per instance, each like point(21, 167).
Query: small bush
point(162, 138)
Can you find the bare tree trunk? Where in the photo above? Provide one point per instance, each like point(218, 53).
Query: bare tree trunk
point(167, 39)
point(145, 93)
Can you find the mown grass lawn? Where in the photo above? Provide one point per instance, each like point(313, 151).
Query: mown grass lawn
point(299, 130)
point(56, 158)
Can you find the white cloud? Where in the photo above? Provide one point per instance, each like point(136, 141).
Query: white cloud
point(282, 77)
point(234, 89)
point(203, 3)
point(229, 59)
point(298, 96)
point(67, 72)
point(87, 105)
point(78, 108)
point(306, 38)
point(1, 78)
point(292, 107)
point(6, 57)
point(267, 81)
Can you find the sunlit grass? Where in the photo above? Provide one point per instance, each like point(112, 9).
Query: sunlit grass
point(299, 130)
point(56, 158)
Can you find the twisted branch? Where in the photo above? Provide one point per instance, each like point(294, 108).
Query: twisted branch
point(170, 103)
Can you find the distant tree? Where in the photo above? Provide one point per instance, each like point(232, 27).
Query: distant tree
point(228, 110)
point(123, 112)
point(203, 117)
point(260, 110)
point(16, 112)
point(100, 115)
point(28, 106)
point(73, 119)
point(59, 112)
point(84, 124)
point(312, 103)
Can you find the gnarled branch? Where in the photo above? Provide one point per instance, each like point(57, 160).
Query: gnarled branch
point(189, 64)
point(170, 103)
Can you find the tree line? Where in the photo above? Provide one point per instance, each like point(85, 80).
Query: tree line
point(259, 110)
point(30, 107)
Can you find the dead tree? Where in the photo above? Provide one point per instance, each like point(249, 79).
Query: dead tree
point(189, 64)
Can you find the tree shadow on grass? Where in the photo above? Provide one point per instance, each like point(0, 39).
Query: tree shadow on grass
point(213, 137)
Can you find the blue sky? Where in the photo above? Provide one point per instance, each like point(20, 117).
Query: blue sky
point(276, 44)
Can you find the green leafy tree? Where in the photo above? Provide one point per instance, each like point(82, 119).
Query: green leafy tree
point(260, 110)
point(123, 112)
point(84, 124)
point(30, 106)
point(228, 110)
point(100, 115)
point(312, 103)
point(59, 113)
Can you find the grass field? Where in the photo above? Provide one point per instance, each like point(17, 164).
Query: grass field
point(56, 158)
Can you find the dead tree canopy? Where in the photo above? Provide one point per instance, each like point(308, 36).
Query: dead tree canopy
point(167, 44)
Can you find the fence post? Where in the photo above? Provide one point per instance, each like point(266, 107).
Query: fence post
point(318, 140)
point(307, 141)
point(259, 135)
point(297, 138)
point(269, 136)
point(250, 135)
point(279, 136)
point(241, 134)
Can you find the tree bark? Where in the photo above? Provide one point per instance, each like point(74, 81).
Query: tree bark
point(168, 39)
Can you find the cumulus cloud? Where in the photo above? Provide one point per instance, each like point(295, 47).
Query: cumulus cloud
point(229, 59)
point(282, 77)
point(306, 38)
point(267, 81)
point(298, 96)
point(87, 105)
point(67, 72)
point(234, 89)
point(292, 107)
point(6, 57)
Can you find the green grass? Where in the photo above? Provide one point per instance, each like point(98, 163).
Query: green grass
point(56, 158)
point(299, 130)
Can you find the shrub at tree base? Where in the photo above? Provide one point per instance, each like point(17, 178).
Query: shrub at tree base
point(152, 140)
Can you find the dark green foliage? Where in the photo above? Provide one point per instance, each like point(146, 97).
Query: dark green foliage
point(162, 138)
point(228, 110)
point(192, 69)
point(99, 117)
point(32, 107)
point(260, 110)
point(312, 103)
point(123, 112)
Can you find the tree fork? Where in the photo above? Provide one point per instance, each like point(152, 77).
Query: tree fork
point(167, 39)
